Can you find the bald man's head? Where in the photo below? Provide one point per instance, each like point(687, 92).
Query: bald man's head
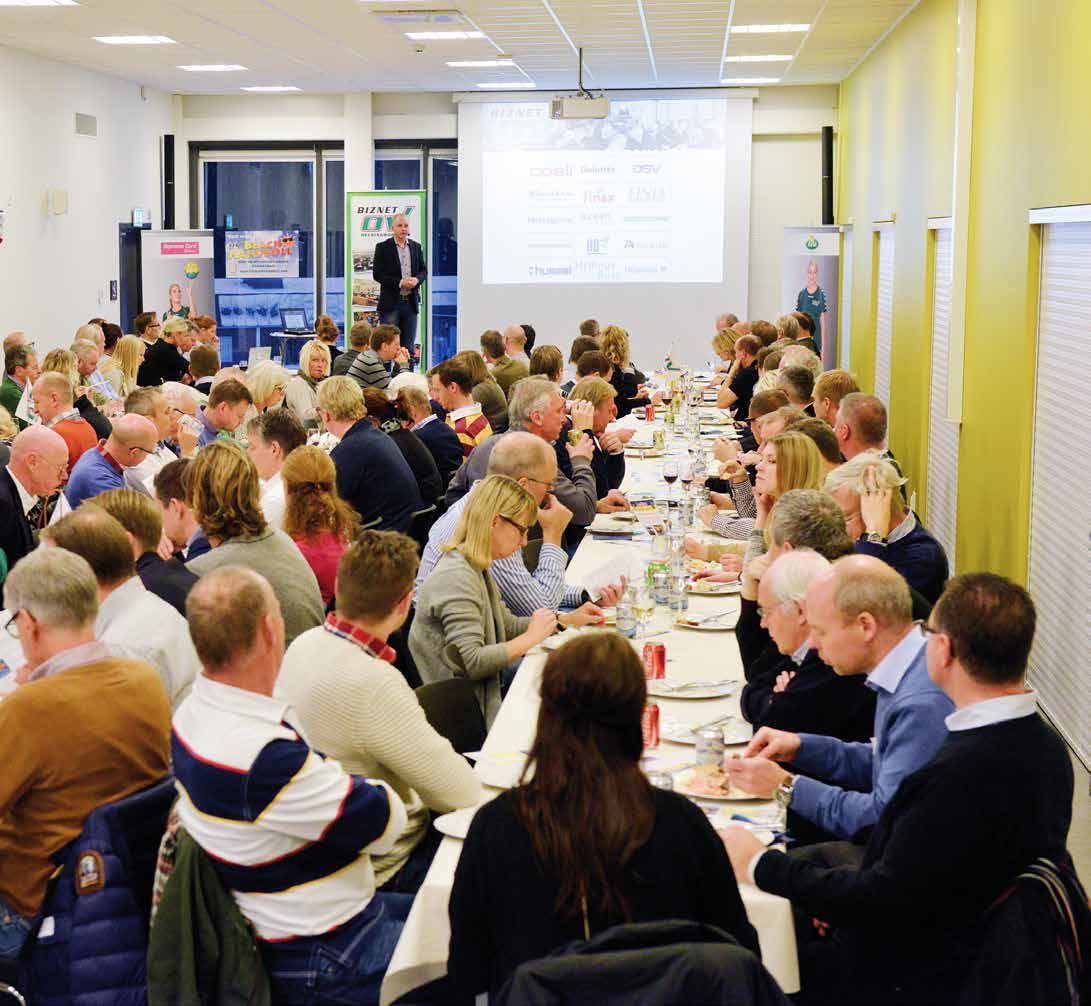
point(524, 455)
point(132, 439)
point(39, 460)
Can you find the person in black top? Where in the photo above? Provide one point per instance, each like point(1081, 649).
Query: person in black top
point(163, 360)
point(737, 390)
point(906, 925)
point(415, 413)
point(383, 414)
point(585, 843)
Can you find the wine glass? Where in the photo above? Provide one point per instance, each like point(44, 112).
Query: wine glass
point(643, 605)
point(685, 476)
point(670, 475)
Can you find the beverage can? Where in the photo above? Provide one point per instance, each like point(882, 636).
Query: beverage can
point(659, 439)
point(649, 413)
point(655, 661)
point(649, 725)
point(710, 745)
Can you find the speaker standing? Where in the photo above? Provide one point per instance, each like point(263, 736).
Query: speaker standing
point(399, 269)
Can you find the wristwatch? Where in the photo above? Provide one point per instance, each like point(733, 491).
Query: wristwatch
point(874, 538)
point(784, 791)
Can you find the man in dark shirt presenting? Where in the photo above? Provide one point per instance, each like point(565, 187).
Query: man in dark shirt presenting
point(737, 390)
point(905, 926)
point(399, 269)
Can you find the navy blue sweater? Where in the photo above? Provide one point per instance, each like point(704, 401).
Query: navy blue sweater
point(443, 444)
point(374, 477)
point(917, 556)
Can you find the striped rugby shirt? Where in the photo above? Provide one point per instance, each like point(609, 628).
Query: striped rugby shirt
point(471, 425)
point(288, 831)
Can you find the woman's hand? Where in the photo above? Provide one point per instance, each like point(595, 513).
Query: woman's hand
point(543, 623)
point(725, 449)
point(585, 614)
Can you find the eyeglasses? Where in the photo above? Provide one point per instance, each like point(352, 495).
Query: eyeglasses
point(11, 626)
point(539, 481)
point(930, 630)
point(524, 531)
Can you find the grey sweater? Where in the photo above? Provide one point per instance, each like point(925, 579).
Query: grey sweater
point(460, 629)
point(276, 557)
point(369, 371)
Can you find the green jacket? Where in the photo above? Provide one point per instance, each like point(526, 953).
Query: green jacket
point(202, 950)
point(10, 393)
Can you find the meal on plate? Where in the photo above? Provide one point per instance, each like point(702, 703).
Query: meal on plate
point(709, 780)
point(709, 586)
point(699, 565)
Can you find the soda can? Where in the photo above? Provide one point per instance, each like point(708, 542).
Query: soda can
point(658, 439)
point(655, 661)
point(649, 413)
point(649, 725)
point(710, 745)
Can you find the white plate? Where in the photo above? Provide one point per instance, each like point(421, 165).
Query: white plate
point(724, 624)
point(650, 452)
point(715, 587)
point(735, 730)
point(659, 689)
point(681, 785)
point(502, 770)
point(457, 823)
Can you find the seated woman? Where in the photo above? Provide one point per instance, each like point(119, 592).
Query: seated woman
point(768, 365)
point(301, 393)
point(462, 627)
point(384, 415)
point(628, 382)
point(584, 842)
point(315, 517)
point(268, 384)
point(723, 345)
point(608, 461)
point(121, 368)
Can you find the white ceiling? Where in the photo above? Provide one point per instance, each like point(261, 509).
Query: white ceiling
point(344, 45)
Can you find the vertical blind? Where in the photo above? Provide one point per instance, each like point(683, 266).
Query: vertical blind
point(884, 314)
point(942, 434)
point(1060, 507)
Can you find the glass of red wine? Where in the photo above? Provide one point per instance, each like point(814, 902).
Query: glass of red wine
point(670, 475)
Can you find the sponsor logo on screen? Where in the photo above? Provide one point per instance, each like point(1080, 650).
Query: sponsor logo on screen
point(600, 196)
point(811, 243)
point(179, 248)
point(647, 169)
point(561, 171)
point(647, 194)
point(596, 169)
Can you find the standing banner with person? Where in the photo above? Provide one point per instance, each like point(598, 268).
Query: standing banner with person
point(370, 220)
point(810, 278)
point(176, 273)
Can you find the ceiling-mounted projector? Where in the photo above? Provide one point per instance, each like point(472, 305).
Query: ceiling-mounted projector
point(583, 105)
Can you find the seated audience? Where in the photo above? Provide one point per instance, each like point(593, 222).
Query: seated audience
point(359, 339)
point(738, 387)
point(537, 871)
point(221, 486)
point(505, 370)
point(628, 382)
point(904, 922)
point(861, 426)
point(92, 726)
point(327, 332)
point(462, 627)
point(806, 338)
point(486, 391)
point(452, 387)
point(142, 522)
point(608, 459)
point(64, 361)
point(288, 832)
point(830, 388)
point(228, 402)
point(372, 475)
point(133, 438)
point(798, 384)
point(271, 437)
point(580, 345)
point(163, 359)
point(515, 344)
point(316, 518)
point(88, 351)
point(21, 370)
point(204, 365)
point(267, 384)
point(122, 367)
point(860, 616)
point(824, 439)
point(384, 416)
point(355, 706)
point(173, 437)
point(55, 405)
point(768, 361)
point(129, 615)
point(384, 357)
point(547, 362)
point(180, 525)
point(301, 392)
point(415, 413)
point(882, 526)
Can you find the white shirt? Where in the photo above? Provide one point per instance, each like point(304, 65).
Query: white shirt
point(151, 630)
point(272, 501)
point(424, 422)
point(888, 673)
point(141, 477)
point(25, 498)
point(989, 712)
point(466, 410)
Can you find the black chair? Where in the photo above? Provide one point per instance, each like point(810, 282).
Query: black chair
point(421, 523)
point(452, 709)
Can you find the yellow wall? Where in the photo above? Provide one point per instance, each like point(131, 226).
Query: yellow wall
point(1031, 148)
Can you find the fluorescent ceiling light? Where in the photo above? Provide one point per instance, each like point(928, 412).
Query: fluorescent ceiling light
point(272, 88)
point(443, 36)
point(480, 64)
point(212, 67)
point(510, 86)
point(758, 59)
point(134, 40)
point(767, 29)
point(38, 3)
point(743, 81)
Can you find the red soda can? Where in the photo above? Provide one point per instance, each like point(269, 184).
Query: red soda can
point(649, 413)
point(660, 660)
point(655, 661)
point(649, 724)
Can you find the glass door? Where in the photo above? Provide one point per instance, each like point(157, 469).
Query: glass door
point(443, 264)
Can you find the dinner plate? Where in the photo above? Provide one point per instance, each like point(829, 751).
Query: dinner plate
point(724, 624)
point(715, 587)
point(736, 731)
point(648, 452)
point(660, 688)
point(502, 770)
point(683, 782)
point(457, 823)
point(610, 527)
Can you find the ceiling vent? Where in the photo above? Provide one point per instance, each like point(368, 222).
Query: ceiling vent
point(86, 125)
point(442, 18)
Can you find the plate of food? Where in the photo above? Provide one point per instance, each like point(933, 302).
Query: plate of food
point(699, 565)
point(710, 586)
point(736, 731)
point(661, 688)
point(644, 452)
point(610, 524)
point(708, 782)
point(723, 622)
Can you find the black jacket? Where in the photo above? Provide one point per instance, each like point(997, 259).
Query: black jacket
point(609, 470)
point(420, 462)
point(162, 362)
point(16, 537)
point(442, 443)
point(387, 271)
point(373, 477)
point(90, 414)
point(168, 579)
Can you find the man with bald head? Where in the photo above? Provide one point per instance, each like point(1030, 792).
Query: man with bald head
point(399, 269)
point(515, 345)
point(132, 439)
point(861, 622)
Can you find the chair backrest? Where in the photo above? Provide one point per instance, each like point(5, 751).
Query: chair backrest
point(452, 709)
point(421, 523)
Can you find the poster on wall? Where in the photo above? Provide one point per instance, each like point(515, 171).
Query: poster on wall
point(810, 278)
point(369, 219)
point(268, 254)
point(176, 273)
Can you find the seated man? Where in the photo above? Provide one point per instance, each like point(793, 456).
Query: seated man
point(442, 442)
point(228, 402)
point(580, 345)
point(515, 344)
point(452, 386)
point(289, 833)
point(798, 384)
point(55, 405)
point(272, 436)
point(384, 357)
point(133, 438)
point(87, 727)
point(799, 692)
point(904, 924)
point(179, 521)
point(608, 459)
point(129, 615)
point(860, 616)
point(359, 338)
point(505, 370)
point(355, 706)
point(860, 425)
point(882, 526)
point(829, 389)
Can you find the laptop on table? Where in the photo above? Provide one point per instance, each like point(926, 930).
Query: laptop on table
point(293, 321)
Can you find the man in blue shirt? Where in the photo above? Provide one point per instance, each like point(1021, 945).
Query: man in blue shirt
point(132, 439)
point(860, 615)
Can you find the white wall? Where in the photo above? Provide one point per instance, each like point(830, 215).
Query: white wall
point(54, 269)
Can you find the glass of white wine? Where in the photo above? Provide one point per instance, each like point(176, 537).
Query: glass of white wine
point(643, 606)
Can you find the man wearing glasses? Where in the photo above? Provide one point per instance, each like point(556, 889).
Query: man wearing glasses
point(147, 326)
point(133, 438)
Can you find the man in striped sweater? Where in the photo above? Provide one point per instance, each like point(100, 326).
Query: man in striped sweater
point(373, 367)
point(452, 386)
point(289, 833)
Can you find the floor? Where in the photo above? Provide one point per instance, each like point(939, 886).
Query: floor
point(1079, 835)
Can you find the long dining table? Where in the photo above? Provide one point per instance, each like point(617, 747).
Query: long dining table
point(692, 655)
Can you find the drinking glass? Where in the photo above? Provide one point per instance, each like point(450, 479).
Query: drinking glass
point(670, 476)
point(643, 606)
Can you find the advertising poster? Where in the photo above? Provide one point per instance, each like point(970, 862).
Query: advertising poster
point(267, 254)
point(369, 220)
point(176, 273)
point(810, 278)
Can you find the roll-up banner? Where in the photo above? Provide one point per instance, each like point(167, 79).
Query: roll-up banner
point(810, 278)
point(176, 273)
point(369, 220)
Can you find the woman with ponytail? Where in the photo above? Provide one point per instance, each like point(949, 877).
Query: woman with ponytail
point(315, 517)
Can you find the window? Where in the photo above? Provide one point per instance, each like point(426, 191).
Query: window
point(884, 310)
point(333, 294)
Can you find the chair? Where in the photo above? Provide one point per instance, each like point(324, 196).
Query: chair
point(421, 523)
point(452, 709)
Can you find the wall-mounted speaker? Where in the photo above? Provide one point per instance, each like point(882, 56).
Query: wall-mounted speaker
point(827, 174)
point(168, 181)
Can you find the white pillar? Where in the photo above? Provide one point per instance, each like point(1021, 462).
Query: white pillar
point(359, 149)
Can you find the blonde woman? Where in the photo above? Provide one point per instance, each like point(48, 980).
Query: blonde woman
point(121, 368)
point(628, 382)
point(267, 382)
point(723, 345)
point(174, 296)
point(462, 626)
point(301, 392)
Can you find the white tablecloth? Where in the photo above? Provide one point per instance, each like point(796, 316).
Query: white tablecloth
point(421, 954)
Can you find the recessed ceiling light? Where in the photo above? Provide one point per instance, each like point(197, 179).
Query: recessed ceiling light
point(212, 67)
point(38, 3)
point(442, 36)
point(767, 29)
point(272, 88)
point(744, 81)
point(134, 40)
point(512, 85)
point(758, 59)
point(480, 64)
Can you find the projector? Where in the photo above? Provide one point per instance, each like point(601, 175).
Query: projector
point(580, 107)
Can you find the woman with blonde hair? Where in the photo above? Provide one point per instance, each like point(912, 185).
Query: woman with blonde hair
point(628, 382)
point(723, 345)
point(301, 392)
point(121, 368)
point(463, 628)
point(267, 382)
point(315, 517)
point(486, 392)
